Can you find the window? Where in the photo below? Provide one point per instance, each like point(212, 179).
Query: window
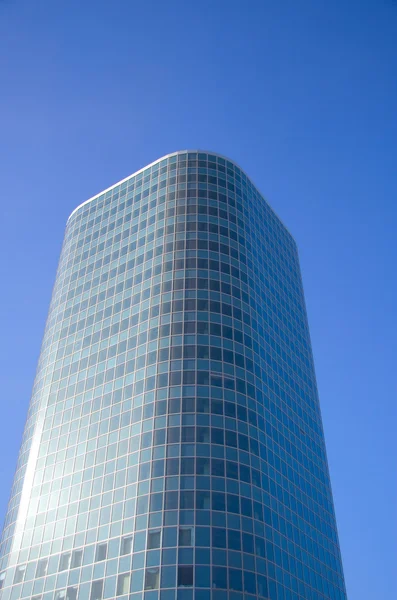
point(203, 576)
point(152, 579)
point(234, 541)
point(123, 584)
point(187, 499)
point(71, 593)
point(168, 576)
point(42, 567)
point(61, 595)
point(169, 536)
point(262, 586)
point(101, 552)
point(236, 580)
point(137, 581)
point(249, 582)
point(185, 576)
point(219, 577)
point(153, 539)
point(97, 590)
point(77, 557)
point(19, 574)
point(126, 545)
point(203, 500)
point(186, 536)
point(218, 537)
point(65, 561)
point(2, 578)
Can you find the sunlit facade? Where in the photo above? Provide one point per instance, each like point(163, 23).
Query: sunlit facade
point(174, 447)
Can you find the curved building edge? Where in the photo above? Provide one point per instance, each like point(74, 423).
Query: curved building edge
point(177, 153)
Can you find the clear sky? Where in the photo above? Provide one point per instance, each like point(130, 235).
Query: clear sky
point(303, 95)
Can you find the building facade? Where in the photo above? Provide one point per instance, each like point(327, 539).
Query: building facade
point(174, 448)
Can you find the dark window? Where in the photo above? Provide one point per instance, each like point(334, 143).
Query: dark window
point(71, 593)
point(19, 574)
point(64, 562)
point(126, 545)
point(42, 567)
point(101, 552)
point(153, 539)
point(186, 536)
point(185, 576)
point(97, 590)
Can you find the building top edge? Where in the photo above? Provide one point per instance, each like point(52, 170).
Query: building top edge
point(152, 165)
point(187, 151)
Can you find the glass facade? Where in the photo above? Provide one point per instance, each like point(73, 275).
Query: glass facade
point(174, 448)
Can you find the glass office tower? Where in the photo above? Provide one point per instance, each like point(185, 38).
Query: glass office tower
point(174, 448)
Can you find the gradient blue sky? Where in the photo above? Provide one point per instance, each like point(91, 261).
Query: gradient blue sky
point(303, 95)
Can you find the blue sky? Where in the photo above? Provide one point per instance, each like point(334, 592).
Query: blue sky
point(303, 95)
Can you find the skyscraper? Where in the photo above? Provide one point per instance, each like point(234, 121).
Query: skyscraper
point(174, 447)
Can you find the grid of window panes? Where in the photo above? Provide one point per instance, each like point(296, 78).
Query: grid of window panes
point(174, 447)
